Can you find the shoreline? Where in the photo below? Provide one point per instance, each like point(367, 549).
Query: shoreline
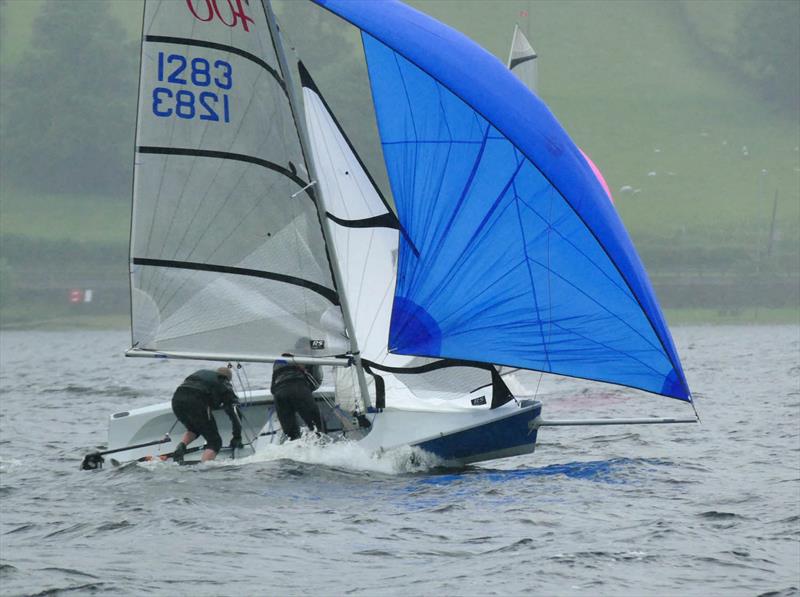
point(675, 317)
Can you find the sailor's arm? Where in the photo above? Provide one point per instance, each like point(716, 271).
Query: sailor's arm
point(229, 405)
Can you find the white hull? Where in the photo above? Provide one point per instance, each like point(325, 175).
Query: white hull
point(455, 436)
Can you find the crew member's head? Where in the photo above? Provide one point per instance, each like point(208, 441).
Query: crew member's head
point(225, 372)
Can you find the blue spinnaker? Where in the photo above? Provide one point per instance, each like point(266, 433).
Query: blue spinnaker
point(519, 258)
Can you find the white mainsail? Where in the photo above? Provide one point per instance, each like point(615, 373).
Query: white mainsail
point(227, 252)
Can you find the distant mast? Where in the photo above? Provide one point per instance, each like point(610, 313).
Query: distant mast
point(523, 60)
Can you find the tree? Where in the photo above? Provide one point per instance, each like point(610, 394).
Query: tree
point(769, 47)
point(68, 110)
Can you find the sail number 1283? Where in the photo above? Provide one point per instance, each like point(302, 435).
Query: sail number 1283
point(201, 88)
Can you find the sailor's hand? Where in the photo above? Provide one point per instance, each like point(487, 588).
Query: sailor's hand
point(236, 443)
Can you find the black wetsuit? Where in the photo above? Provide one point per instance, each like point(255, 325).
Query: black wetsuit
point(292, 386)
point(198, 395)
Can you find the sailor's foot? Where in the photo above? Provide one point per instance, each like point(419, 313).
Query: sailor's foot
point(180, 450)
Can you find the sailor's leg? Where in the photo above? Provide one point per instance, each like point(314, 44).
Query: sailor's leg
point(213, 439)
point(189, 410)
point(284, 408)
point(308, 409)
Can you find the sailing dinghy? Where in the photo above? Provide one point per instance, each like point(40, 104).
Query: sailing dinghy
point(258, 231)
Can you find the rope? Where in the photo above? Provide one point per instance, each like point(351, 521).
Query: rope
point(244, 384)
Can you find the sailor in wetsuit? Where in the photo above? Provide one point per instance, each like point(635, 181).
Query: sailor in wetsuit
point(292, 385)
point(193, 403)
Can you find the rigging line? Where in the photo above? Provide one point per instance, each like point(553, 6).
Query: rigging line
point(245, 390)
point(222, 48)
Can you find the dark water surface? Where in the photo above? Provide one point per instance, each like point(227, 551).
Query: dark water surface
point(711, 509)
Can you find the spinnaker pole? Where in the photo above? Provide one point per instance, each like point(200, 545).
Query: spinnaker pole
point(540, 422)
point(326, 230)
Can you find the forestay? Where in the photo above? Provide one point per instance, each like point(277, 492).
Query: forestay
point(513, 255)
point(227, 253)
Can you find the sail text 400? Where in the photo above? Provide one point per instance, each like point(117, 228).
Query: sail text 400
point(194, 88)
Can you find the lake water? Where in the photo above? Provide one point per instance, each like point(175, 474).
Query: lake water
point(710, 509)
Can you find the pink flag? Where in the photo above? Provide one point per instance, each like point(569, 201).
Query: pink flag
point(598, 174)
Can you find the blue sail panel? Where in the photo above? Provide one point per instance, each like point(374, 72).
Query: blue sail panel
point(520, 259)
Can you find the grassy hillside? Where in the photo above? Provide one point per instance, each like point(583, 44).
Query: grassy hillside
point(635, 89)
point(84, 219)
point(630, 83)
point(692, 153)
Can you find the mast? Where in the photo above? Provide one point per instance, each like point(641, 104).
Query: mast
point(326, 231)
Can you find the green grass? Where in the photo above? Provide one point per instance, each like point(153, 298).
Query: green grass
point(25, 318)
point(635, 90)
point(745, 316)
point(637, 84)
point(84, 219)
point(41, 321)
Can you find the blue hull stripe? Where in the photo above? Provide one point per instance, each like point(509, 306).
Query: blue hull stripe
point(501, 435)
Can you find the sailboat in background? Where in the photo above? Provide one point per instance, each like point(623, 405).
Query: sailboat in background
point(258, 231)
point(523, 62)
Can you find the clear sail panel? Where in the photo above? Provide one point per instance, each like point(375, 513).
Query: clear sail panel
point(227, 252)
